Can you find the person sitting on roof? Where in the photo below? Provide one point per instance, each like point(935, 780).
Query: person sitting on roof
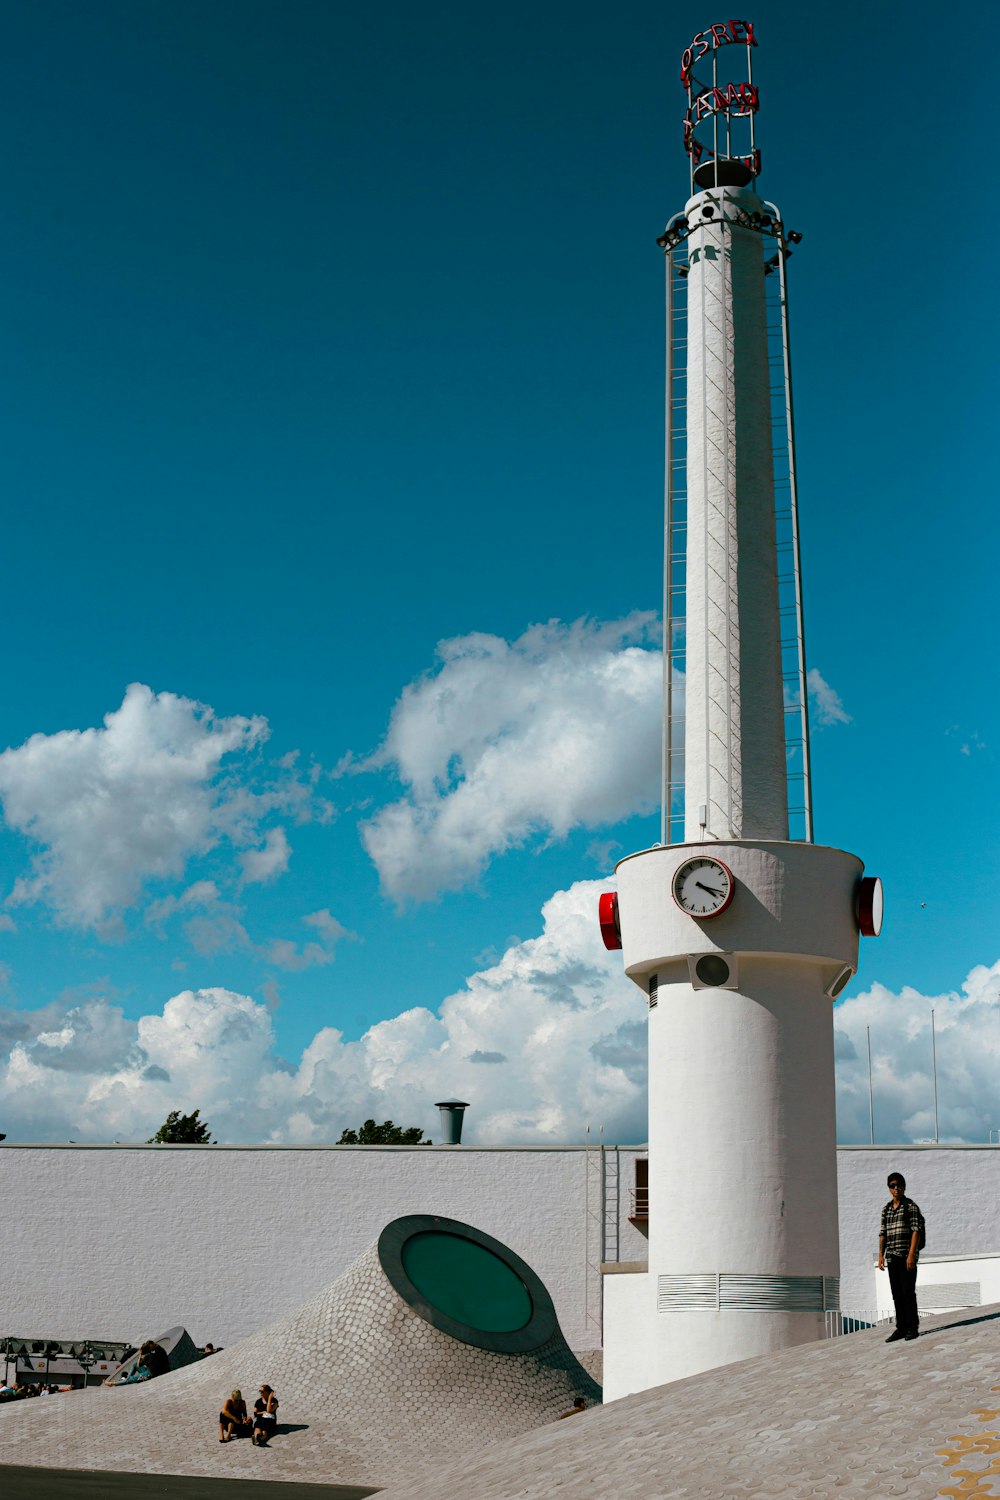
point(233, 1419)
point(265, 1416)
point(156, 1360)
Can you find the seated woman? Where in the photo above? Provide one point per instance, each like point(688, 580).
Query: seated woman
point(142, 1370)
point(265, 1416)
point(233, 1419)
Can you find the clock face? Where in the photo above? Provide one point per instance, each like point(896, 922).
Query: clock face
point(703, 887)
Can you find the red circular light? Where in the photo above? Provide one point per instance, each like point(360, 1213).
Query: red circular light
point(607, 915)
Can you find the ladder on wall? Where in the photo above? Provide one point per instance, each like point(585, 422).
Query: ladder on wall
point(602, 1196)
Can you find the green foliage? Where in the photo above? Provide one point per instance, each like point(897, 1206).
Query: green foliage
point(182, 1130)
point(386, 1134)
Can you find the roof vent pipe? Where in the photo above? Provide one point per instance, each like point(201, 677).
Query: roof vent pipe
point(452, 1113)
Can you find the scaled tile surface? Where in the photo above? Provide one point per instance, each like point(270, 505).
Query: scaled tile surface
point(371, 1394)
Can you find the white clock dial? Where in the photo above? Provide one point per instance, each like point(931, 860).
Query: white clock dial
point(703, 887)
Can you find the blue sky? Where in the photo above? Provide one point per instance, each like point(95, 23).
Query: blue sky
point(335, 333)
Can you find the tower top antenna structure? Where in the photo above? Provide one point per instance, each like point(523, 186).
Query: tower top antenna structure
point(730, 445)
point(722, 100)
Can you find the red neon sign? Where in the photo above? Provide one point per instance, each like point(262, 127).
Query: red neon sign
point(721, 34)
point(735, 99)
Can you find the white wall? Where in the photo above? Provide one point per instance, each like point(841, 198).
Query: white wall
point(957, 1188)
point(120, 1241)
point(126, 1241)
point(945, 1283)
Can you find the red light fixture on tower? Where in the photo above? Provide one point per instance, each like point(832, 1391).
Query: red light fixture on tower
point(607, 915)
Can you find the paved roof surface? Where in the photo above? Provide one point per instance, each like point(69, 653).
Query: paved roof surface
point(838, 1420)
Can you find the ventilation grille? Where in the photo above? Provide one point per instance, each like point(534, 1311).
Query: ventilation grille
point(949, 1294)
point(723, 1290)
point(696, 1290)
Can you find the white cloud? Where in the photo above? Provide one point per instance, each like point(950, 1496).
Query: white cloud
point(560, 1029)
point(202, 893)
point(506, 741)
point(116, 806)
point(549, 1038)
point(262, 865)
point(329, 929)
point(967, 1027)
point(7, 924)
point(112, 809)
point(213, 925)
point(827, 707)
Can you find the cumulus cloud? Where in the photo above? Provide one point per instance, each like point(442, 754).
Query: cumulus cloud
point(546, 1040)
point(111, 809)
point(554, 1018)
point(506, 741)
point(285, 954)
point(213, 925)
point(826, 704)
point(262, 865)
point(968, 1061)
point(202, 893)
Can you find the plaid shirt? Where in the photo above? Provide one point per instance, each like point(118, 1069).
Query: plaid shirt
point(898, 1225)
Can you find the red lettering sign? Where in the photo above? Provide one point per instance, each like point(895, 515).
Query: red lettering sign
point(719, 34)
point(738, 99)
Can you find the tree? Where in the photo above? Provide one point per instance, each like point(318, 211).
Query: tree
point(386, 1134)
point(182, 1130)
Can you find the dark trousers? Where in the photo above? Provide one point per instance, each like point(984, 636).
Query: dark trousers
point(904, 1293)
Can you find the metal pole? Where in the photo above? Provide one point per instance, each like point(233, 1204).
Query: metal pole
point(668, 531)
point(934, 1072)
point(753, 134)
point(604, 1193)
point(586, 1228)
point(871, 1102)
point(715, 117)
point(793, 491)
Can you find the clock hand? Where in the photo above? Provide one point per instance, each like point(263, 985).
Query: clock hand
point(709, 888)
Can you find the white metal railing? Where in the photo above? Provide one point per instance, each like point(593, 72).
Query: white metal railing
point(638, 1203)
point(838, 1323)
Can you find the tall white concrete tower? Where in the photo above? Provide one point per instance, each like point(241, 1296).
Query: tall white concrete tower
point(738, 935)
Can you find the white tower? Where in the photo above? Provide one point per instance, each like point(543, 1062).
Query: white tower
point(738, 937)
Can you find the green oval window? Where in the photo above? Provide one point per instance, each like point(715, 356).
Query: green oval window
point(467, 1282)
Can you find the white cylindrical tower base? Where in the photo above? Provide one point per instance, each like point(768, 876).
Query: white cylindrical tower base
point(743, 1232)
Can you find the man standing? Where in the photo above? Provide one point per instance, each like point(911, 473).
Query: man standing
point(899, 1242)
